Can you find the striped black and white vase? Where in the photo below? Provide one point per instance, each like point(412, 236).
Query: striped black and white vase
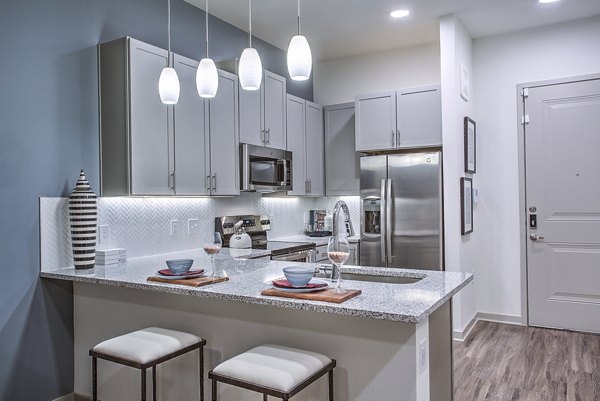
point(83, 217)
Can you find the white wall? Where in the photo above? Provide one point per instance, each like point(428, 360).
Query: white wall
point(456, 50)
point(500, 63)
point(338, 81)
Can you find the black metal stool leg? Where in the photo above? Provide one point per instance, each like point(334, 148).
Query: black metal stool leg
point(331, 385)
point(143, 384)
point(154, 383)
point(265, 397)
point(94, 379)
point(214, 390)
point(201, 349)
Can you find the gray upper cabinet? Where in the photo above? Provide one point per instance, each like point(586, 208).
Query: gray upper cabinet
point(262, 113)
point(314, 149)
point(136, 128)
point(305, 141)
point(406, 118)
point(419, 112)
point(192, 154)
point(342, 165)
point(296, 144)
point(224, 137)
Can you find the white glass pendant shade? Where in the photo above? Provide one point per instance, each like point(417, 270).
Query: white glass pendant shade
point(299, 58)
point(168, 86)
point(250, 69)
point(207, 78)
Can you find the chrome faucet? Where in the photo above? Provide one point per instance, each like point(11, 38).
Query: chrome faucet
point(347, 222)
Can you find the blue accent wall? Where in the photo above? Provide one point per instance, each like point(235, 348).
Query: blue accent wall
point(48, 132)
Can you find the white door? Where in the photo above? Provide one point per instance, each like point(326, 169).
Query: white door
point(296, 144)
point(191, 145)
point(562, 141)
point(224, 142)
point(315, 143)
point(151, 131)
point(376, 122)
point(419, 114)
point(274, 110)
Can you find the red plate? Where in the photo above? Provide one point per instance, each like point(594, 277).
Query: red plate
point(167, 272)
point(283, 283)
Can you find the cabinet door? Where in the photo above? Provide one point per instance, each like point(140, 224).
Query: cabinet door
point(274, 110)
point(315, 173)
point(296, 144)
point(342, 165)
point(190, 127)
point(376, 121)
point(224, 139)
point(251, 117)
point(420, 116)
point(151, 131)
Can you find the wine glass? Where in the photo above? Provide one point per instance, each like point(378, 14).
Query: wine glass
point(212, 246)
point(338, 251)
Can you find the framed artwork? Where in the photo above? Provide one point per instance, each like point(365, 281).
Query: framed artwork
point(466, 205)
point(470, 145)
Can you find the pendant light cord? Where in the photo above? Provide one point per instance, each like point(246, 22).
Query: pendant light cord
point(250, 21)
point(206, 12)
point(298, 17)
point(169, 31)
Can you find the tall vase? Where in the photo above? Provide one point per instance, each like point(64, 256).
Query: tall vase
point(83, 218)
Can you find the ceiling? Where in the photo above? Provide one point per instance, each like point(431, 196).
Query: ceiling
point(344, 28)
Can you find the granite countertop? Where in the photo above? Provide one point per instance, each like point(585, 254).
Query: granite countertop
point(318, 241)
point(385, 301)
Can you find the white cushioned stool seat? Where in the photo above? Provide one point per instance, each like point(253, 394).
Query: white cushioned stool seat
point(146, 345)
point(273, 366)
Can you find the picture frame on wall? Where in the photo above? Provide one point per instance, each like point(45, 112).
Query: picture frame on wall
point(470, 146)
point(466, 203)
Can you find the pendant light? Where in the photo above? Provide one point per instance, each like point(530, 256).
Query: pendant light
point(207, 78)
point(168, 83)
point(250, 68)
point(299, 57)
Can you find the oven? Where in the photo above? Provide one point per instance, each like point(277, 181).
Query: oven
point(265, 169)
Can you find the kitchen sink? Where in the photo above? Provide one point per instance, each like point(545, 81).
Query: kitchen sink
point(374, 278)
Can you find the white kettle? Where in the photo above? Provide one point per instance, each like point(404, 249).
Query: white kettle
point(240, 240)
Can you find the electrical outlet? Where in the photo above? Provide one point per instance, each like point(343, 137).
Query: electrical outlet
point(193, 226)
point(423, 356)
point(104, 234)
point(173, 227)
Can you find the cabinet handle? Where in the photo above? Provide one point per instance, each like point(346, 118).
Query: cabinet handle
point(208, 182)
point(172, 181)
point(263, 136)
point(215, 182)
point(398, 138)
point(305, 186)
point(309, 186)
point(268, 135)
point(393, 138)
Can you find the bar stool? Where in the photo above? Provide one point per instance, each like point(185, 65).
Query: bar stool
point(145, 349)
point(273, 370)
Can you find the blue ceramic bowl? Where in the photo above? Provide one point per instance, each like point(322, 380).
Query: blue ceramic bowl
point(180, 266)
point(298, 276)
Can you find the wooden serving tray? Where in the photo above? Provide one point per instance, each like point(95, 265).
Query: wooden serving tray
point(192, 282)
point(324, 296)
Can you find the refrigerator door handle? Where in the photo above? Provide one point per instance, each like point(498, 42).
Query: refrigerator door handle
point(388, 222)
point(383, 221)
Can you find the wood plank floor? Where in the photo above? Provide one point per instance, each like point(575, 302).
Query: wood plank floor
point(500, 362)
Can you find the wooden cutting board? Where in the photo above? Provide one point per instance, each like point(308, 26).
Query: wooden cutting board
point(324, 296)
point(192, 282)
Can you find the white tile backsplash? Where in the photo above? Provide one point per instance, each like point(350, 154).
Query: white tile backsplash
point(142, 225)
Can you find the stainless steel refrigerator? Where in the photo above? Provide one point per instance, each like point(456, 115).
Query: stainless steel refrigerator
point(401, 211)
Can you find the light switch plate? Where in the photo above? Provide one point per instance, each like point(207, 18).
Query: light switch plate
point(173, 227)
point(193, 226)
point(104, 234)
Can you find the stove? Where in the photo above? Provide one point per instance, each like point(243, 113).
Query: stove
point(257, 227)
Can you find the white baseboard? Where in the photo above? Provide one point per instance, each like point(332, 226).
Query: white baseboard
point(458, 335)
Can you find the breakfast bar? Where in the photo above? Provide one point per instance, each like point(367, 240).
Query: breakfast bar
point(392, 342)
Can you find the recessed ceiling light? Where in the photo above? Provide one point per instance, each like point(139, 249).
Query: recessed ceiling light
point(402, 13)
point(548, 1)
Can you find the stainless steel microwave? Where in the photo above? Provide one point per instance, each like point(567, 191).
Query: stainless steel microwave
point(265, 169)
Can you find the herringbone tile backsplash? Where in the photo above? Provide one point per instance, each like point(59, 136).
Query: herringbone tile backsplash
point(142, 225)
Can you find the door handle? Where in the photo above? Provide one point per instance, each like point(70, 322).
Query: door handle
point(388, 223)
point(382, 220)
point(535, 237)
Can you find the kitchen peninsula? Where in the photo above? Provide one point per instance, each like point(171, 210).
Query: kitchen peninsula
point(393, 342)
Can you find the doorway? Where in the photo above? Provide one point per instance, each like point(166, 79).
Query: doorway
point(561, 161)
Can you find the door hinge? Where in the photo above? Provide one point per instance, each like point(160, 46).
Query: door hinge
point(525, 92)
point(525, 119)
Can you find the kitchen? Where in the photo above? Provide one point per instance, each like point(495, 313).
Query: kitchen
point(53, 125)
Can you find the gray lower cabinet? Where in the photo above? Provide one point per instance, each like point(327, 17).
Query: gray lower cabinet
point(342, 164)
point(305, 141)
point(262, 113)
point(401, 119)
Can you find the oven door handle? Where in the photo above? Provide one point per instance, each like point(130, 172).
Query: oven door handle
point(284, 167)
point(296, 256)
